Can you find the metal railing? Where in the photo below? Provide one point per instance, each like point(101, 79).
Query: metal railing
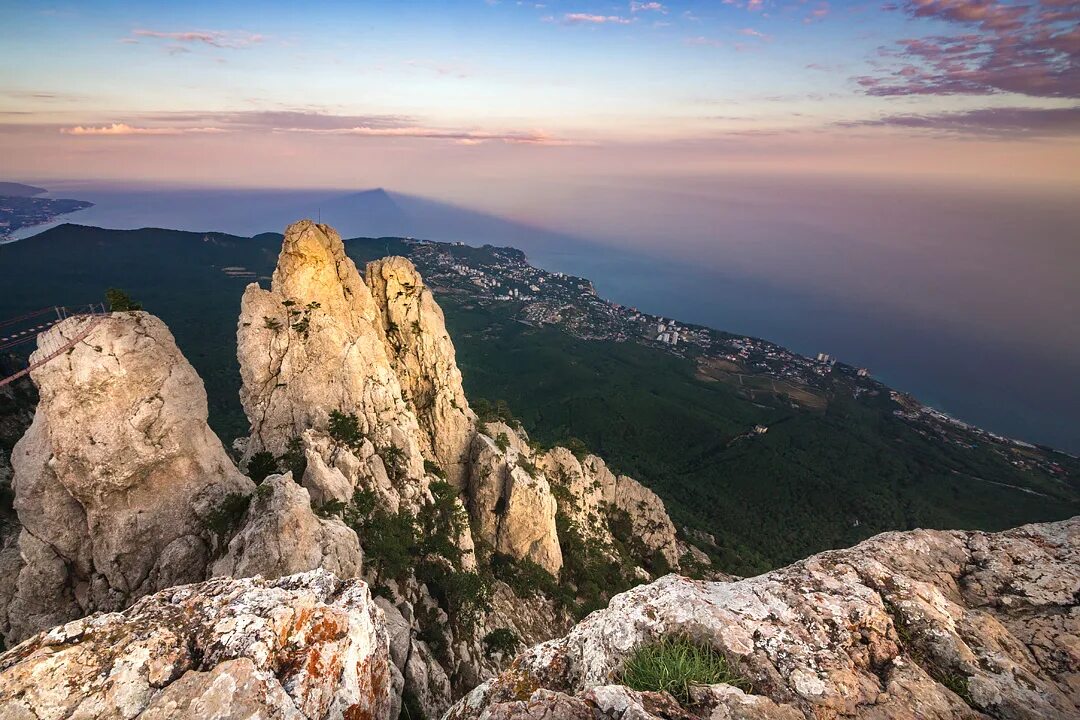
point(35, 326)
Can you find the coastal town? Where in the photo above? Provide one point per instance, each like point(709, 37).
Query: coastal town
point(756, 367)
point(24, 211)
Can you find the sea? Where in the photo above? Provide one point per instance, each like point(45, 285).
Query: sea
point(966, 297)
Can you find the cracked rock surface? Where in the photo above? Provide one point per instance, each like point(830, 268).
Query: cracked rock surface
point(423, 357)
point(114, 476)
point(304, 647)
point(282, 535)
point(921, 625)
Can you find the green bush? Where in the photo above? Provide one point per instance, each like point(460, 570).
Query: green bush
point(432, 469)
point(501, 640)
point(345, 429)
point(262, 465)
point(393, 459)
point(294, 458)
point(120, 301)
point(673, 664)
point(525, 577)
point(502, 441)
point(329, 509)
point(223, 519)
point(577, 447)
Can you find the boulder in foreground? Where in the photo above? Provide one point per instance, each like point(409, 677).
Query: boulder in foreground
point(306, 646)
point(922, 625)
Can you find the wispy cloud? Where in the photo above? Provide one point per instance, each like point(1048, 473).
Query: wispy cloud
point(463, 137)
point(751, 32)
point(213, 38)
point(702, 41)
point(995, 122)
point(819, 12)
point(125, 129)
point(590, 19)
point(636, 7)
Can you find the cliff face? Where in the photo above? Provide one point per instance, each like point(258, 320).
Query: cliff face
point(921, 625)
point(312, 345)
point(423, 358)
point(114, 475)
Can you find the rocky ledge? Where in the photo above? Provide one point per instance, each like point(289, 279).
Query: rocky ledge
point(919, 625)
point(306, 646)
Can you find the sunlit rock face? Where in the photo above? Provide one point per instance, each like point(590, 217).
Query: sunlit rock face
point(115, 475)
point(923, 625)
point(311, 345)
point(423, 358)
point(306, 646)
point(511, 502)
point(596, 495)
point(282, 535)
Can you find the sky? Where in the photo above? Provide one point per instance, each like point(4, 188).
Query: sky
point(482, 101)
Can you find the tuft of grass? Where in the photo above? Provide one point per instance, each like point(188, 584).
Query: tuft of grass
point(673, 664)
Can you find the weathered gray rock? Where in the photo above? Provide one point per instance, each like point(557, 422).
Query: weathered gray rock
point(423, 357)
point(648, 517)
point(282, 535)
point(925, 624)
point(307, 646)
point(512, 505)
point(598, 494)
point(115, 475)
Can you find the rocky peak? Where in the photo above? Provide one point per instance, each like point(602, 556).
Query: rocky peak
point(115, 474)
point(423, 357)
point(314, 345)
point(319, 329)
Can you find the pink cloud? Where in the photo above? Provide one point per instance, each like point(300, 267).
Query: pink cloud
point(462, 137)
point(125, 129)
point(751, 32)
point(213, 38)
point(702, 41)
point(1005, 48)
point(647, 7)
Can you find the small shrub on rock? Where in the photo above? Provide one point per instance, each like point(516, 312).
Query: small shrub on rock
point(673, 664)
point(501, 640)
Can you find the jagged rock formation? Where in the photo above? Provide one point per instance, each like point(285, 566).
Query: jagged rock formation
point(413, 328)
point(312, 345)
point(114, 476)
point(353, 394)
point(281, 535)
point(307, 646)
point(510, 502)
point(924, 624)
point(325, 343)
point(599, 499)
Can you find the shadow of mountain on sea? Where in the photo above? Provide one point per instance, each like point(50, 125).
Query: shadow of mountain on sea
point(378, 213)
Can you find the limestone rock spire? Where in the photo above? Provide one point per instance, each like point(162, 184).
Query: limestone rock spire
point(423, 357)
